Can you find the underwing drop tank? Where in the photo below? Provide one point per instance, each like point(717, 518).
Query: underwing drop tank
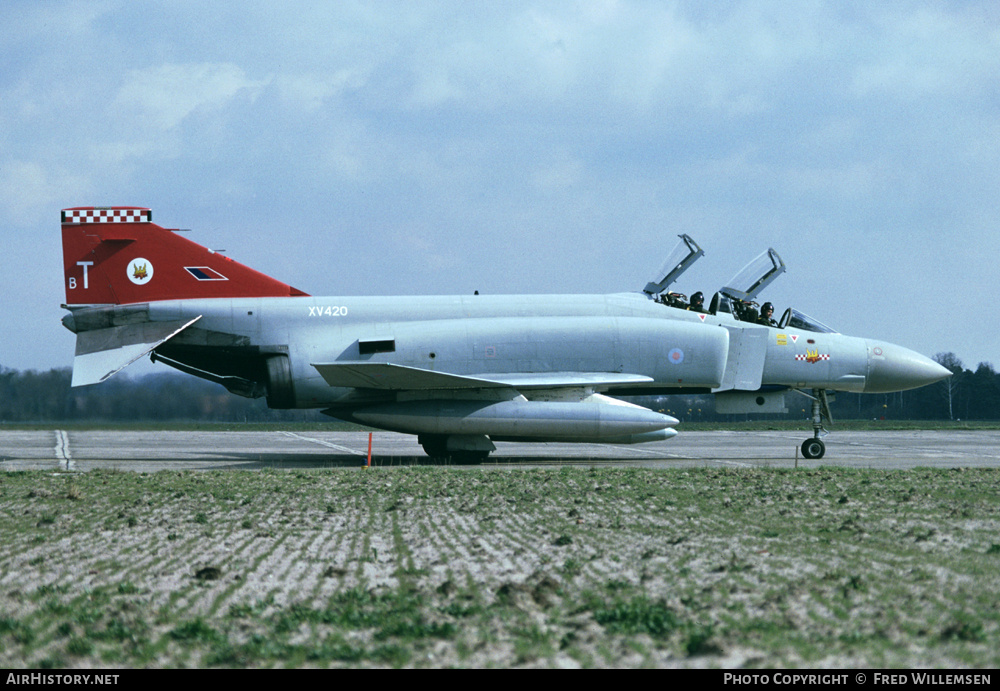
point(596, 419)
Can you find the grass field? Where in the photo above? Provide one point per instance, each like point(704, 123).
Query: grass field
point(477, 567)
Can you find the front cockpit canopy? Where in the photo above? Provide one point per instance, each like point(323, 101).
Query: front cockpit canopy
point(755, 276)
point(793, 319)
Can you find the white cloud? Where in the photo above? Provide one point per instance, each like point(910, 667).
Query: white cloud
point(930, 52)
point(558, 175)
point(309, 91)
point(163, 96)
point(29, 190)
point(26, 23)
point(458, 123)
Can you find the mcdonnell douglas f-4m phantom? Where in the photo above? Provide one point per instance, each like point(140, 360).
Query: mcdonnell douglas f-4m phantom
point(461, 372)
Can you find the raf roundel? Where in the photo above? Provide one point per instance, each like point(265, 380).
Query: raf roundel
point(140, 271)
point(675, 356)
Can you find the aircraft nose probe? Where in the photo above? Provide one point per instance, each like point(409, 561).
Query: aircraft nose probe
point(894, 368)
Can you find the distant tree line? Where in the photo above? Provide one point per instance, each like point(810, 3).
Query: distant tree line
point(30, 396)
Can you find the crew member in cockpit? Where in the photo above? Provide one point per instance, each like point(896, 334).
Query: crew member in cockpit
point(697, 303)
point(766, 314)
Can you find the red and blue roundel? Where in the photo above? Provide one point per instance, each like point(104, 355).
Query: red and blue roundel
point(675, 356)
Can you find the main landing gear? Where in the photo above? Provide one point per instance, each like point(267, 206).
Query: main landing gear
point(815, 448)
point(471, 450)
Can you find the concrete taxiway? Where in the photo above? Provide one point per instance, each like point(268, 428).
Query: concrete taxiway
point(151, 451)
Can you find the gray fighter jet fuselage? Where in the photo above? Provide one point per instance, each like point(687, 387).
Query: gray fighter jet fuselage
point(459, 371)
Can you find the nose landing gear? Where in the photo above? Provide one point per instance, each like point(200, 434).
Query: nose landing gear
point(814, 447)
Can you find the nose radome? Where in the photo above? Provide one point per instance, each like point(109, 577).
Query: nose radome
point(894, 368)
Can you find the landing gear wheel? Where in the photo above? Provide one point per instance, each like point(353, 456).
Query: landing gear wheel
point(813, 448)
point(469, 457)
point(435, 445)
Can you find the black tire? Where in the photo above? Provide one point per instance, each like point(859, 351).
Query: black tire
point(813, 448)
point(435, 445)
point(469, 457)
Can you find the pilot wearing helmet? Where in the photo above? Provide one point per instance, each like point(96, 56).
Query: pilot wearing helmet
point(697, 303)
point(766, 313)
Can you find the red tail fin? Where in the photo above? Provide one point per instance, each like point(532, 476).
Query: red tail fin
point(118, 256)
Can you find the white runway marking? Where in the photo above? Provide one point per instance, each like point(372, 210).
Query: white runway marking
point(62, 450)
point(637, 450)
point(326, 443)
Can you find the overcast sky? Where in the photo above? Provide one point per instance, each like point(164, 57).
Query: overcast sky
point(380, 148)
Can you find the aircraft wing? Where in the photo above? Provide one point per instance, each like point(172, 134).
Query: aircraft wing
point(103, 352)
point(561, 380)
point(390, 377)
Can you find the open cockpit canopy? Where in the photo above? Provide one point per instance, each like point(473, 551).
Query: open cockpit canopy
point(737, 298)
point(755, 276)
point(683, 255)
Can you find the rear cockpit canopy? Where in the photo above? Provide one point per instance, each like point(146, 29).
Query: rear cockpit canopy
point(683, 256)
